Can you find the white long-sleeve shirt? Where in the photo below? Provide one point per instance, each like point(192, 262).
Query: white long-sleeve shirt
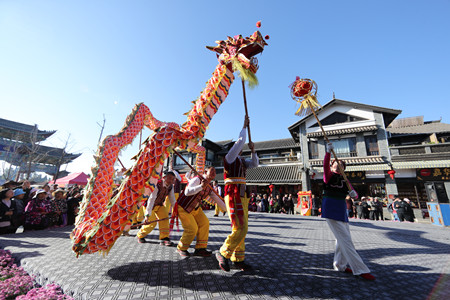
point(151, 200)
point(233, 153)
point(195, 186)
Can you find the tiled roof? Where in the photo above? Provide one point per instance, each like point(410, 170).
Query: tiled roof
point(223, 143)
point(374, 167)
point(274, 144)
point(421, 164)
point(16, 126)
point(389, 114)
point(285, 174)
point(343, 131)
point(352, 160)
point(429, 128)
point(42, 154)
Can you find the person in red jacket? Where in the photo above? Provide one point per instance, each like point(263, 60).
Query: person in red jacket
point(334, 209)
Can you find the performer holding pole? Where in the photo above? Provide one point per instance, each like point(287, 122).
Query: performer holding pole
point(346, 259)
point(194, 221)
point(236, 199)
point(156, 210)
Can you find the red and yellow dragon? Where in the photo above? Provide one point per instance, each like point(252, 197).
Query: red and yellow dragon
point(102, 216)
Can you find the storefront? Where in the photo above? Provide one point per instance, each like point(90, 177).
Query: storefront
point(366, 183)
point(279, 179)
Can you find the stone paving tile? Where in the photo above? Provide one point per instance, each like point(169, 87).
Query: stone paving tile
point(291, 256)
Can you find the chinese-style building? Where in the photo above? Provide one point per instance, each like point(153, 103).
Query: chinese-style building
point(20, 147)
point(385, 156)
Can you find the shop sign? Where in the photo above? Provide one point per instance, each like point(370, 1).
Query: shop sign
point(356, 175)
point(433, 174)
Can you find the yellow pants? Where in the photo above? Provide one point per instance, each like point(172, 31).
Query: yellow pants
point(195, 225)
point(217, 210)
point(167, 201)
point(158, 212)
point(234, 246)
point(140, 215)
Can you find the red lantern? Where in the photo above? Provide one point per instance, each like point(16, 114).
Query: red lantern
point(391, 173)
point(425, 172)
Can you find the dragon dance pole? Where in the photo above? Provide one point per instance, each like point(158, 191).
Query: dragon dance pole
point(195, 171)
point(301, 91)
point(146, 223)
point(246, 111)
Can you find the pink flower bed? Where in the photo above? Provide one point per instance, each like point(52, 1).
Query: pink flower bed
point(15, 283)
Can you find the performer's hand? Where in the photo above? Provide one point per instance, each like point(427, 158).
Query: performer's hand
point(251, 146)
point(204, 184)
point(329, 147)
point(353, 194)
point(246, 121)
point(146, 219)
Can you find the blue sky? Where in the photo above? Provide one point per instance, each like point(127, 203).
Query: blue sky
point(65, 64)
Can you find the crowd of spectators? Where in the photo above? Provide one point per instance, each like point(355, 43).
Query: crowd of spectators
point(49, 206)
point(37, 208)
point(371, 208)
point(272, 204)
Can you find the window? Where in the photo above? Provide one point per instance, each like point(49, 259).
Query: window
point(268, 155)
point(180, 162)
point(337, 118)
point(345, 147)
point(371, 145)
point(313, 150)
point(209, 155)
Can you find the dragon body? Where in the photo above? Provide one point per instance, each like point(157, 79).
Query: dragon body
point(103, 216)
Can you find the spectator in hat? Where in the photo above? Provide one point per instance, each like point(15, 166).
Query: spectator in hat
point(8, 211)
point(19, 196)
point(37, 211)
point(59, 209)
point(21, 203)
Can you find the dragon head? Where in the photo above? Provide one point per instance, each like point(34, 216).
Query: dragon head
point(239, 53)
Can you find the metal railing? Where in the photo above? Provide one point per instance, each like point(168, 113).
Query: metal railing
point(420, 149)
point(267, 160)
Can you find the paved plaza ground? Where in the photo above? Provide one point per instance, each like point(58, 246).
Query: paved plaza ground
point(291, 255)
